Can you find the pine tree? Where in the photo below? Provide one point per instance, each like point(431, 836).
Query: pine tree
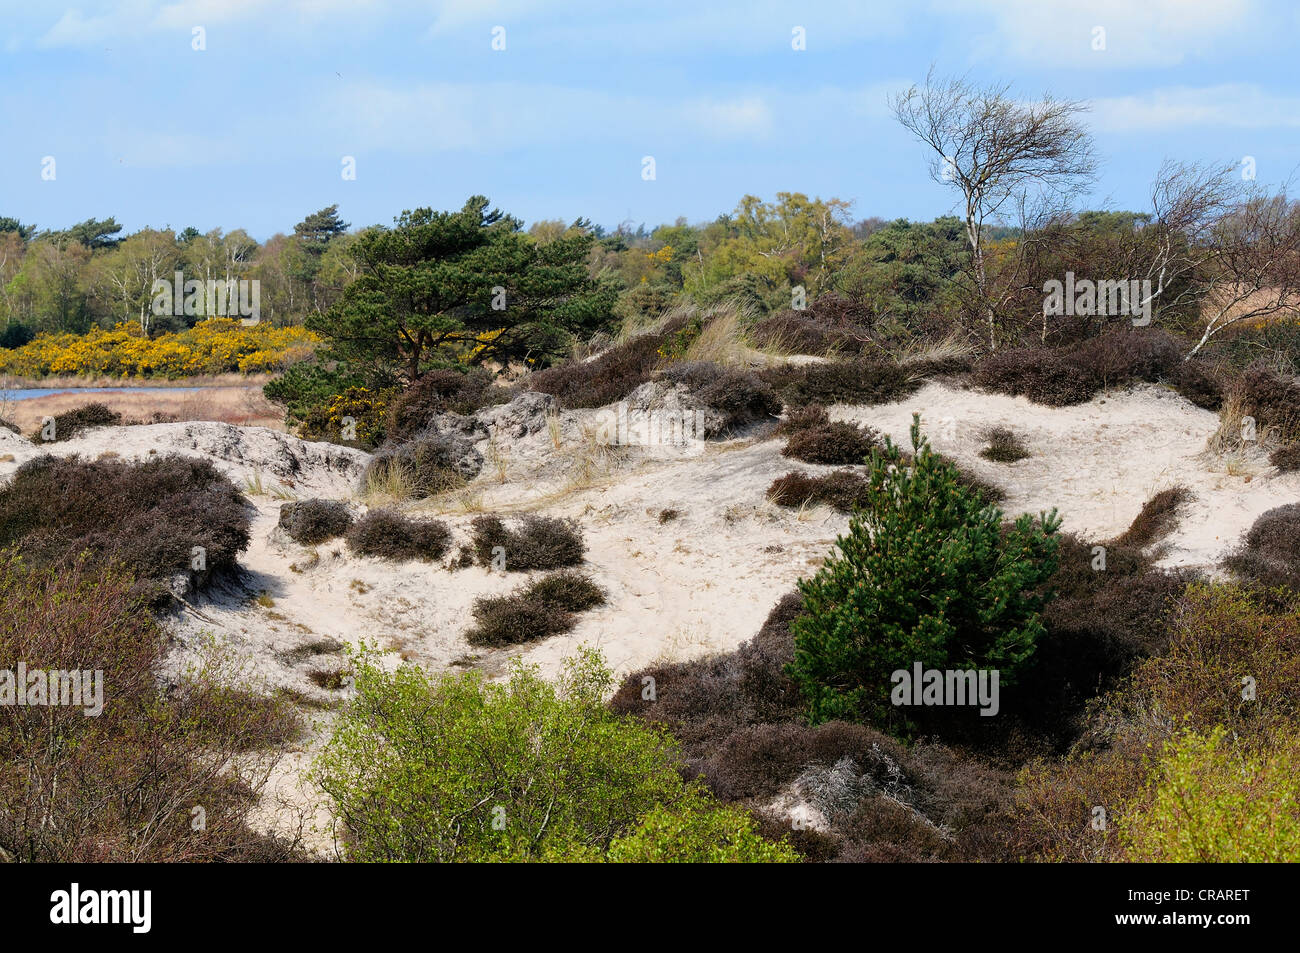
point(926, 573)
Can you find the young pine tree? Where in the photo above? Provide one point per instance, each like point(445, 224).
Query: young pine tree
point(926, 573)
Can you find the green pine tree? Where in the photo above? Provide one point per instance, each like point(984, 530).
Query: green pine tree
point(926, 573)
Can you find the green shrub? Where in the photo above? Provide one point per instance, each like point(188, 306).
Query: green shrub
point(698, 831)
point(1211, 804)
point(390, 535)
point(925, 574)
point(449, 767)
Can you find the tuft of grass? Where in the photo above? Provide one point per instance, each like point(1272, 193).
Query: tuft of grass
point(1003, 446)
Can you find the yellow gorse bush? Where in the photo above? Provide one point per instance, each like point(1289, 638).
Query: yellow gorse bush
point(215, 346)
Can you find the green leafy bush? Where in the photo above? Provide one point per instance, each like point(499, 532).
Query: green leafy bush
point(1211, 804)
point(449, 767)
point(698, 831)
point(925, 574)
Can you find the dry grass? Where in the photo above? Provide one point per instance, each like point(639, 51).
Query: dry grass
point(390, 484)
point(241, 405)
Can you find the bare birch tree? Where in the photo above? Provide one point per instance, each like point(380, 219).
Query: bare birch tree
point(1000, 152)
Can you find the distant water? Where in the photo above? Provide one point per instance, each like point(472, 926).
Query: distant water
point(28, 393)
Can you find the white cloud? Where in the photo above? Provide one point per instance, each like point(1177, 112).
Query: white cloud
point(1137, 33)
point(1231, 105)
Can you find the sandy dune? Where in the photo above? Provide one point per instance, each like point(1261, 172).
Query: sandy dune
point(697, 583)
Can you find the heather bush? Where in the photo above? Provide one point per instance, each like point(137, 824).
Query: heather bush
point(541, 609)
point(1217, 636)
point(437, 392)
point(1286, 459)
point(742, 397)
point(1157, 519)
point(388, 534)
point(314, 521)
point(925, 574)
point(813, 438)
point(1269, 555)
point(740, 720)
point(608, 377)
point(801, 332)
point(150, 516)
point(120, 786)
point(1043, 375)
point(1198, 382)
point(1059, 377)
point(536, 542)
point(73, 423)
point(845, 490)
point(415, 470)
point(450, 767)
point(1272, 399)
point(1104, 619)
point(833, 382)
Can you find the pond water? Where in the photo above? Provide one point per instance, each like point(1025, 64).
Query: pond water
point(12, 396)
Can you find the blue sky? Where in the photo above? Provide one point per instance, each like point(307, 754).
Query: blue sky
point(251, 131)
